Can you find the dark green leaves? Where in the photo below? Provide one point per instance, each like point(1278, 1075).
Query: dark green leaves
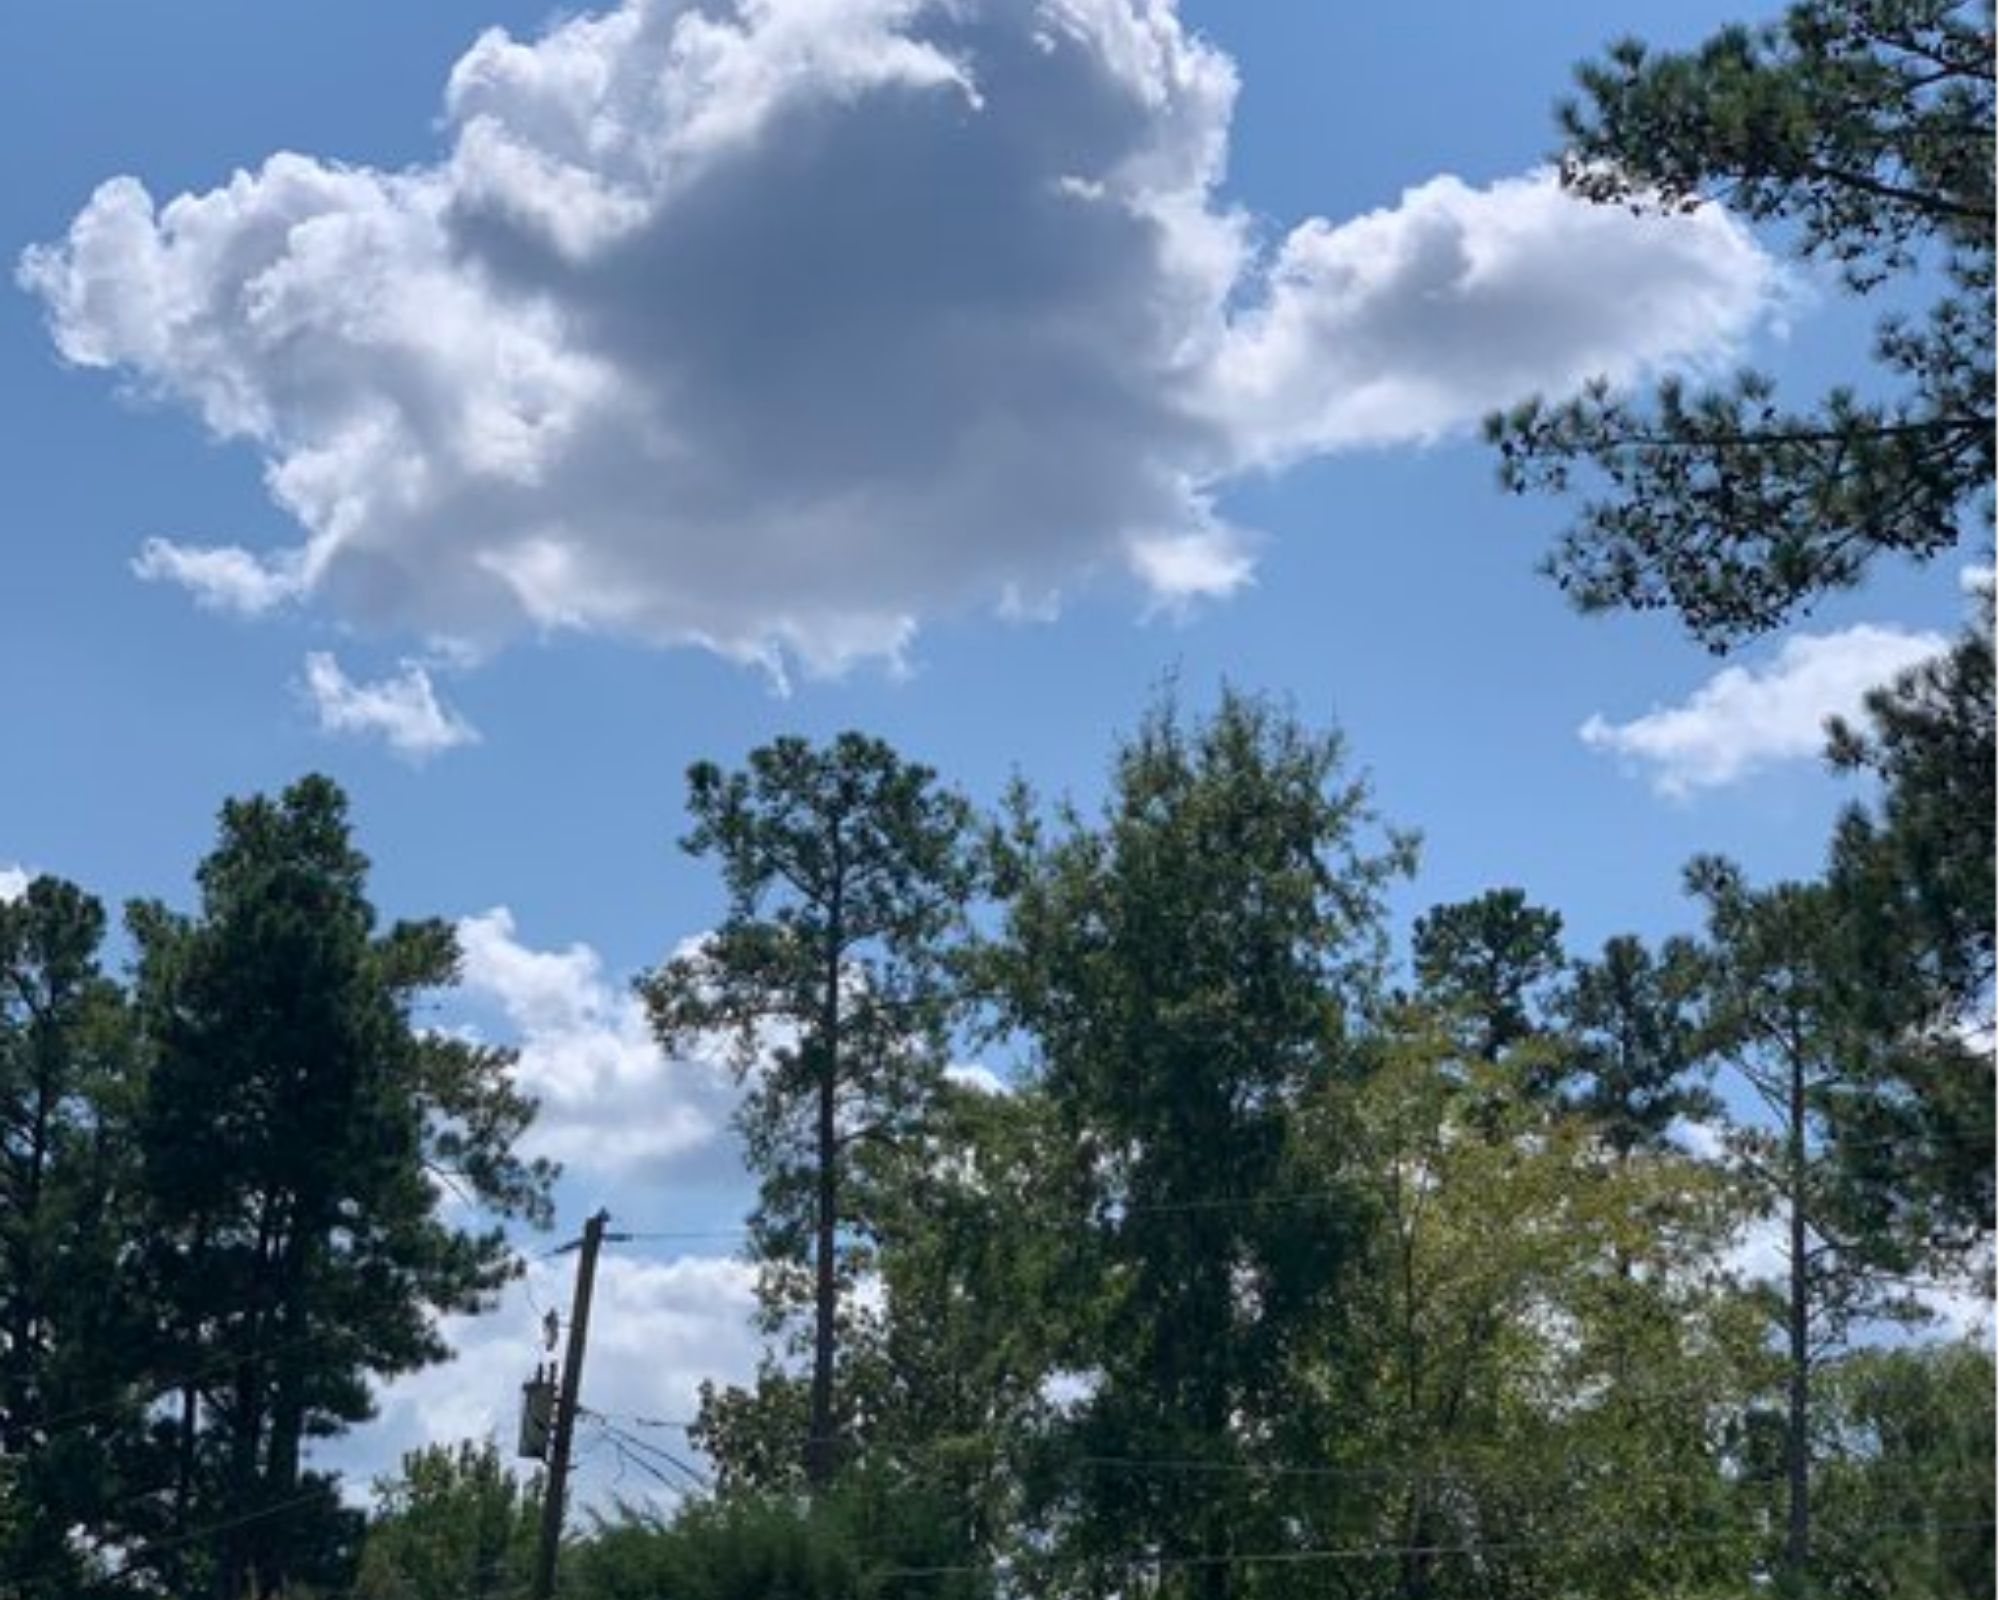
point(1861, 133)
point(849, 871)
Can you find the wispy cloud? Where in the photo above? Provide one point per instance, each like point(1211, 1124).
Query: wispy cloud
point(404, 710)
point(222, 577)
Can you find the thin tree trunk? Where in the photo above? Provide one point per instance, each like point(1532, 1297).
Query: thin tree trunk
point(188, 1433)
point(819, 1446)
point(820, 1452)
point(1798, 1524)
point(235, 1566)
point(232, 1567)
point(281, 1476)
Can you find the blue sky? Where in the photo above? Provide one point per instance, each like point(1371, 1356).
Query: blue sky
point(799, 357)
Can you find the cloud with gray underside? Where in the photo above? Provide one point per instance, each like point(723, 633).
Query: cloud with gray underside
point(779, 327)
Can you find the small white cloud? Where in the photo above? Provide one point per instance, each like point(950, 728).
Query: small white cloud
point(404, 710)
point(1705, 1141)
point(13, 882)
point(222, 577)
point(970, 1075)
point(1745, 719)
point(1205, 563)
point(611, 1100)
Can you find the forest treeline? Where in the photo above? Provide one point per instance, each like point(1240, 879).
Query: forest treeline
point(1285, 1264)
point(1301, 1254)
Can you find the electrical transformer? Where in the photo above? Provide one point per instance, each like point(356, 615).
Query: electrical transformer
point(538, 1405)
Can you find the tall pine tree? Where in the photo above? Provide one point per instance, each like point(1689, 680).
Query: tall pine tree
point(849, 870)
point(298, 1133)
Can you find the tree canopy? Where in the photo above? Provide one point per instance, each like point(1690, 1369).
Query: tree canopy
point(1859, 135)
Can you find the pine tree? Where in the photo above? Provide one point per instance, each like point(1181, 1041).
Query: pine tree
point(71, 1442)
point(1491, 961)
point(1861, 131)
point(1784, 1009)
point(298, 1133)
point(1630, 1031)
point(848, 871)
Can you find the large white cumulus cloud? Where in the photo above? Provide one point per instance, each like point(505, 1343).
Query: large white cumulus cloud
point(780, 326)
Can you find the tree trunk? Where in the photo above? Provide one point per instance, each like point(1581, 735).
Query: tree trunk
point(287, 1432)
point(184, 1443)
point(819, 1443)
point(247, 1422)
point(820, 1452)
point(232, 1566)
point(1798, 1524)
point(1416, 1559)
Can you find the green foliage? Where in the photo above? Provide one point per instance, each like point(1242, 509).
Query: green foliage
point(1489, 960)
point(1905, 1441)
point(1787, 1007)
point(453, 1524)
point(981, 1298)
point(70, 1442)
point(1862, 131)
point(1257, 1281)
point(848, 871)
point(753, 1435)
point(1185, 970)
point(1545, 1366)
point(1630, 1027)
point(293, 1249)
point(864, 1539)
point(1920, 858)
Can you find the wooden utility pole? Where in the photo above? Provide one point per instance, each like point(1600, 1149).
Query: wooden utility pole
point(572, 1379)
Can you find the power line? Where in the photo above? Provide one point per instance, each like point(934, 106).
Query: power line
point(1104, 1462)
point(153, 1547)
point(1604, 1538)
point(64, 1421)
point(624, 1457)
point(701, 1479)
point(620, 1439)
point(1409, 1472)
point(680, 1423)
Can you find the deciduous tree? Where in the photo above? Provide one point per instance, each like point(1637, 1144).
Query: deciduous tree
point(1185, 968)
point(451, 1524)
